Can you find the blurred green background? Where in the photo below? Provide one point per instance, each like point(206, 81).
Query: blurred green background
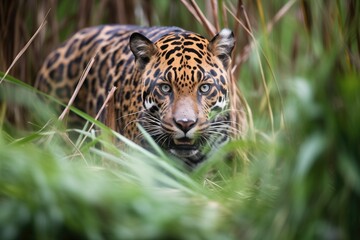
point(297, 174)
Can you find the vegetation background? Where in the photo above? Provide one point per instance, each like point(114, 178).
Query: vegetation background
point(297, 176)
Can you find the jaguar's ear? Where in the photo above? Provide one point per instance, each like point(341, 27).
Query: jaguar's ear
point(142, 49)
point(222, 45)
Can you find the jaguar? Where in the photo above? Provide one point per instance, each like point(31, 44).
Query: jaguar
point(172, 82)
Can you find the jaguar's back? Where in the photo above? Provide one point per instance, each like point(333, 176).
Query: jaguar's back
point(171, 81)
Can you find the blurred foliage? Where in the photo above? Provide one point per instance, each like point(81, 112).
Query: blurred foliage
point(298, 172)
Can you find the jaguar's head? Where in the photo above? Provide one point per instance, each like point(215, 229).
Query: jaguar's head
point(185, 91)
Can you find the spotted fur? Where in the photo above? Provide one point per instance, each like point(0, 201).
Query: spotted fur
point(173, 82)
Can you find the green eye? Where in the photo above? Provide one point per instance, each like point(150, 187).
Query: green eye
point(165, 88)
point(205, 88)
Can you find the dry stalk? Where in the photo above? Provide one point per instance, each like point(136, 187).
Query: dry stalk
point(78, 86)
point(77, 151)
point(224, 14)
point(247, 49)
point(108, 98)
point(24, 48)
point(198, 14)
point(267, 93)
point(237, 28)
point(191, 10)
point(279, 15)
point(214, 8)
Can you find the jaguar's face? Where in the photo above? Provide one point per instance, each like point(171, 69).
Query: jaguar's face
point(186, 91)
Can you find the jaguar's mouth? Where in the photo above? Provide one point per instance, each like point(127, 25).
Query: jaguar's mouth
point(187, 150)
point(184, 142)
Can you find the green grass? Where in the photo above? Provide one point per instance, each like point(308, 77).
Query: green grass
point(295, 177)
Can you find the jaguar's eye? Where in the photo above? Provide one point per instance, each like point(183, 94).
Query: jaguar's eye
point(165, 88)
point(205, 88)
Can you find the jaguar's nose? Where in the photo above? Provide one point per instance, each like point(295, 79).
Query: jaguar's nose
point(185, 124)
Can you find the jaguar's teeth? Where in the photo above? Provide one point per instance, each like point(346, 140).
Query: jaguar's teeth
point(184, 141)
point(184, 153)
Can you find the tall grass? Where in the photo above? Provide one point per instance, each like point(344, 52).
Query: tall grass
point(297, 175)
